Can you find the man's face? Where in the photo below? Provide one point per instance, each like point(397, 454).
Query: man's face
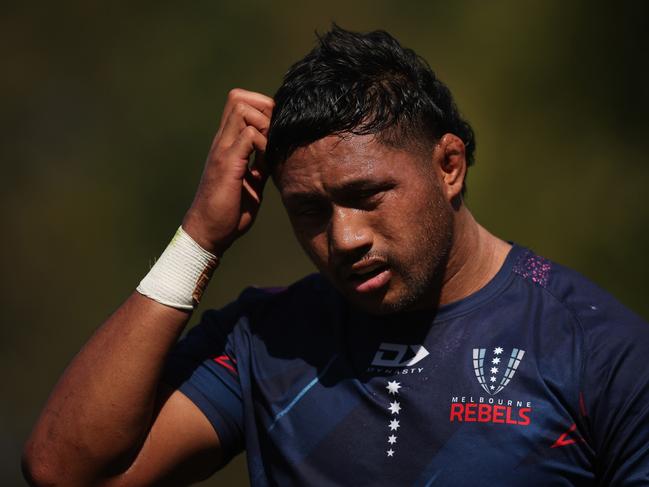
point(372, 218)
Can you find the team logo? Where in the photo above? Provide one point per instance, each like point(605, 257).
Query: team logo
point(495, 381)
point(399, 355)
point(494, 369)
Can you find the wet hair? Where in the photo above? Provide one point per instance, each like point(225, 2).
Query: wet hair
point(356, 83)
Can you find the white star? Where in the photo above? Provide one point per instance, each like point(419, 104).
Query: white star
point(498, 350)
point(394, 424)
point(390, 452)
point(393, 387)
point(392, 439)
point(494, 370)
point(495, 360)
point(395, 407)
point(492, 379)
point(491, 387)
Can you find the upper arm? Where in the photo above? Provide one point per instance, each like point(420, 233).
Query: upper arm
point(197, 424)
point(617, 401)
point(180, 448)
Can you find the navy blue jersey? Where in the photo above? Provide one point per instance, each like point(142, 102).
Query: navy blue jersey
point(539, 378)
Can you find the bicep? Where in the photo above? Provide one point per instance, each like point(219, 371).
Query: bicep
point(617, 403)
point(181, 447)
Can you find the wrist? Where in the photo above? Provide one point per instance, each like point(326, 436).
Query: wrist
point(199, 230)
point(181, 274)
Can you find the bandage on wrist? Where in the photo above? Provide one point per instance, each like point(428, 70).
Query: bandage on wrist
point(181, 274)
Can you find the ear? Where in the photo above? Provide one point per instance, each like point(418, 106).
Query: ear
point(450, 154)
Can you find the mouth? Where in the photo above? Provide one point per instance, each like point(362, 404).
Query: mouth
point(369, 276)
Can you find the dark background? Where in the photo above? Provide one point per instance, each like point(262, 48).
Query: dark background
point(108, 112)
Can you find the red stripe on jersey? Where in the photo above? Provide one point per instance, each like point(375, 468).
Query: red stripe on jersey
point(582, 405)
point(565, 439)
point(225, 361)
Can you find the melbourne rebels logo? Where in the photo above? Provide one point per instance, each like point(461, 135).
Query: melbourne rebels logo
point(500, 368)
point(494, 369)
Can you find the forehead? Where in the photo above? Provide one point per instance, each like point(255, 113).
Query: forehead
point(340, 160)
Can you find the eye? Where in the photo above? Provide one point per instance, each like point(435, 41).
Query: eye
point(309, 210)
point(368, 199)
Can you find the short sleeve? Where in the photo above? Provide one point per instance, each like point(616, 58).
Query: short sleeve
point(203, 366)
point(616, 391)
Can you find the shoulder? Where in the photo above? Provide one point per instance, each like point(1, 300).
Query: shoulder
point(310, 290)
point(263, 316)
point(609, 329)
point(610, 356)
point(311, 295)
point(588, 303)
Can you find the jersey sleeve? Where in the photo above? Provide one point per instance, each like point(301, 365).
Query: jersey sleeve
point(203, 366)
point(616, 394)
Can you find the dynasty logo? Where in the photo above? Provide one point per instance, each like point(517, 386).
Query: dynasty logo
point(398, 358)
point(493, 371)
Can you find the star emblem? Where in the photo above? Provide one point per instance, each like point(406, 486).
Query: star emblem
point(491, 387)
point(492, 379)
point(394, 407)
point(494, 370)
point(498, 350)
point(390, 452)
point(394, 424)
point(495, 360)
point(393, 387)
point(392, 439)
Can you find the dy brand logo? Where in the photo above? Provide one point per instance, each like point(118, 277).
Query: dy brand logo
point(394, 355)
point(499, 362)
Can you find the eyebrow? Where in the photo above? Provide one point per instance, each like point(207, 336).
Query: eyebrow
point(360, 184)
point(347, 187)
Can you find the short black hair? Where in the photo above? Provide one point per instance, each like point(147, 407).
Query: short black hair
point(362, 84)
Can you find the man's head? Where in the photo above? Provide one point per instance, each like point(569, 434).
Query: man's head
point(370, 154)
point(363, 84)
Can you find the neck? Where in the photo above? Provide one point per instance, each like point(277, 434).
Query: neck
point(476, 257)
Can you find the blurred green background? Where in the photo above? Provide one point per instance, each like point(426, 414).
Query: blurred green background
point(108, 112)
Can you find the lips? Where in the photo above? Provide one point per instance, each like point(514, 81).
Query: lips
point(369, 275)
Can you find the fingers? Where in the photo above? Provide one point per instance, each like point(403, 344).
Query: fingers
point(256, 176)
point(259, 168)
point(244, 126)
point(240, 116)
point(253, 178)
point(262, 103)
point(248, 140)
point(254, 188)
point(230, 191)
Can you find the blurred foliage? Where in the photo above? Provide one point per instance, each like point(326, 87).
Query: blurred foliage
point(108, 111)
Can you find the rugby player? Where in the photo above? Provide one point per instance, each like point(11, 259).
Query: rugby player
point(425, 351)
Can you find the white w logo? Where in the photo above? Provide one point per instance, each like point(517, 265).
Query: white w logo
point(489, 382)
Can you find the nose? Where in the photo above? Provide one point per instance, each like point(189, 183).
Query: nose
point(348, 232)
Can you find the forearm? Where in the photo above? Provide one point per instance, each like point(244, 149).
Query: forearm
point(94, 424)
point(100, 410)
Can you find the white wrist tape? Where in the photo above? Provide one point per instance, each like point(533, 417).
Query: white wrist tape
point(180, 276)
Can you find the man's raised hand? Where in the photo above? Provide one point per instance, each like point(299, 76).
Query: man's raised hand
point(229, 193)
point(142, 433)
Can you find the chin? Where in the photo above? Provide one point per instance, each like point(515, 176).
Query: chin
point(381, 304)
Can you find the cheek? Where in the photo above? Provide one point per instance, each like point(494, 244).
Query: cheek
point(401, 219)
point(411, 223)
point(314, 245)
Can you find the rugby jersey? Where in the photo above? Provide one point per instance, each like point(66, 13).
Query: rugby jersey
point(539, 378)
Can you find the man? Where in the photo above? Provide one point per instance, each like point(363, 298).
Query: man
point(426, 351)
